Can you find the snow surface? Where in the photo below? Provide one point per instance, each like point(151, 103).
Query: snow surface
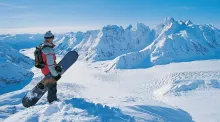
point(177, 92)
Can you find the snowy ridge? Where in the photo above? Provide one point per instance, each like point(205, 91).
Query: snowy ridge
point(15, 67)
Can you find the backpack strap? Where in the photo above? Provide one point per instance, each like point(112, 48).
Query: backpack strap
point(42, 46)
point(46, 46)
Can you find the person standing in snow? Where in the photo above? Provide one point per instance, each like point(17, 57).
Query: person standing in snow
point(51, 68)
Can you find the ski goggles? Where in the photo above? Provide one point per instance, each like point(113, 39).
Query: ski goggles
point(52, 37)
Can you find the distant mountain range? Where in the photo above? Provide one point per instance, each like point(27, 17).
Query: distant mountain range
point(136, 46)
point(21, 41)
point(139, 46)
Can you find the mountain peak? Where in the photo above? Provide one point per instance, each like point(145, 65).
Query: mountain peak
point(112, 27)
point(168, 20)
point(69, 33)
point(188, 22)
point(129, 27)
point(139, 26)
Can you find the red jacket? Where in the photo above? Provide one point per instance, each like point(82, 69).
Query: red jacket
point(49, 58)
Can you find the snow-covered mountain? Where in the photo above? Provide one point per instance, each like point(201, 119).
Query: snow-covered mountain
point(136, 46)
point(108, 43)
point(15, 69)
point(139, 46)
point(175, 41)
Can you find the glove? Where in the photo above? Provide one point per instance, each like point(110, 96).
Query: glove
point(59, 69)
point(57, 77)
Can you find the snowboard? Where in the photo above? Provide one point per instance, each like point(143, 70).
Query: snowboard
point(33, 96)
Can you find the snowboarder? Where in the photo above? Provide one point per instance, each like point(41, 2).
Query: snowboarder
point(50, 66)
point(45, 59)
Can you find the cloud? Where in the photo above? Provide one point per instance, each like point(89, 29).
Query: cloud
point(12, 6)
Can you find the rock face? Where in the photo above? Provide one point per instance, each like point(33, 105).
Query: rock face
point(15, 69)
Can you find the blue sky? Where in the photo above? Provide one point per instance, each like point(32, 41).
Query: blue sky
point(17, 16)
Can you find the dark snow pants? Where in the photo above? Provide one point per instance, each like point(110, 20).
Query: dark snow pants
point(52, 93)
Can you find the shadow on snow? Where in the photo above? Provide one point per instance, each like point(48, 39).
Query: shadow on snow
point(105, 113)
point(162, 114)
